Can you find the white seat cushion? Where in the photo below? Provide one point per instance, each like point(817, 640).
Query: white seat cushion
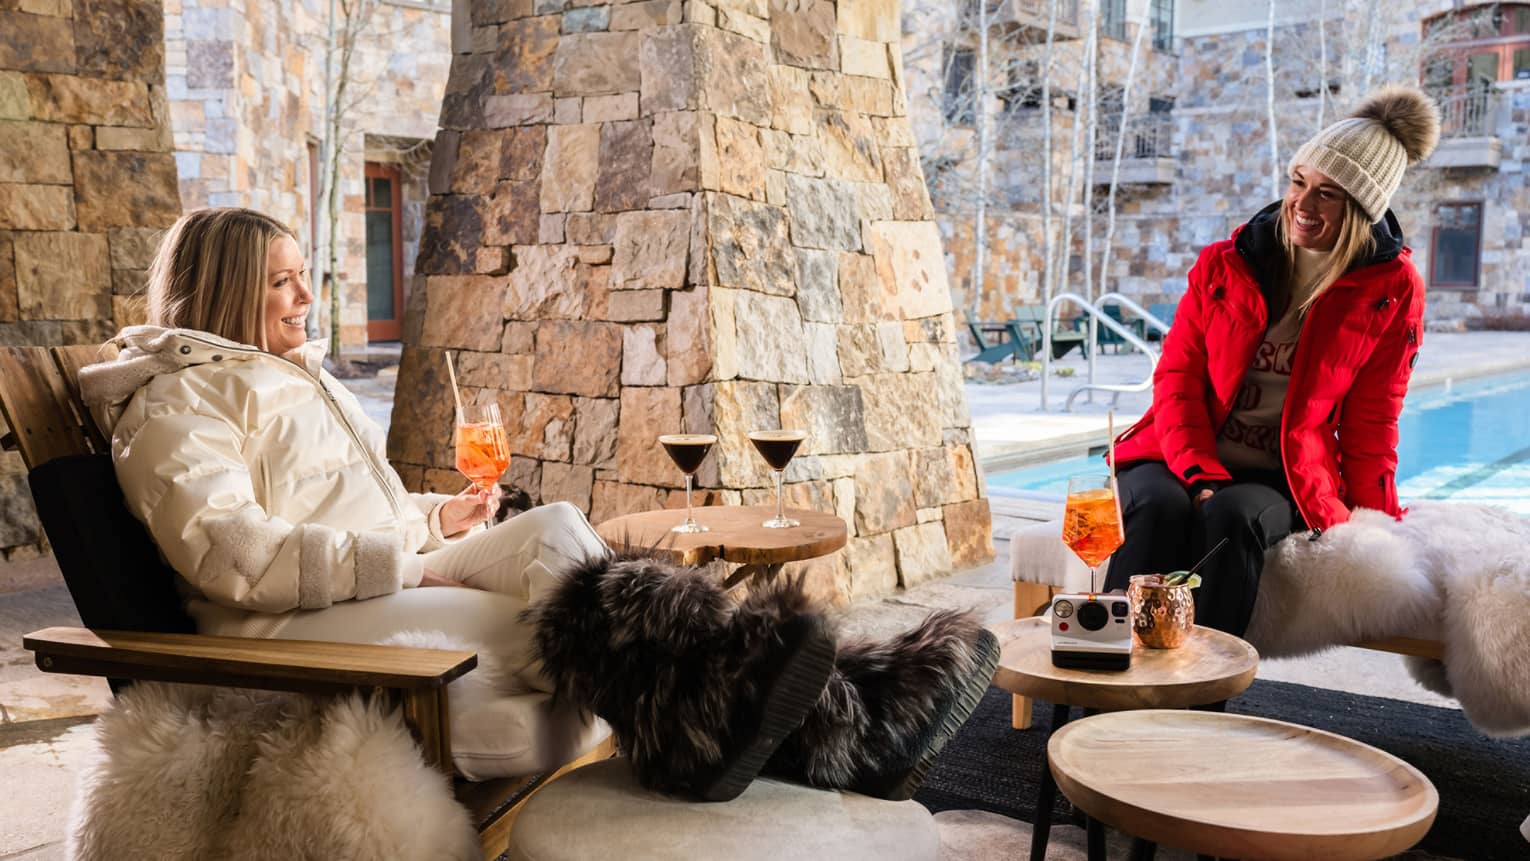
point(518, 735)
point(600, 812)
point(1037, 554)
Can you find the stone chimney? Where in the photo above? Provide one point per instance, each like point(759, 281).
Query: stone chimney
point(655, 216)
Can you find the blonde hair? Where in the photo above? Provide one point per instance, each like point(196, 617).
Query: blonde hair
point(210, 273)
point(1355, 242)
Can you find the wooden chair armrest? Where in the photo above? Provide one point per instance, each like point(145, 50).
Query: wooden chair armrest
point(243, 662)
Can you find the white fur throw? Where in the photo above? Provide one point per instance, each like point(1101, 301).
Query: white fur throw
point(187, 772)
point(1458, 573)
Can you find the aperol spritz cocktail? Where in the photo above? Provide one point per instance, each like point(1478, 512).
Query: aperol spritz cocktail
point(1092, 519)
point(483, 447)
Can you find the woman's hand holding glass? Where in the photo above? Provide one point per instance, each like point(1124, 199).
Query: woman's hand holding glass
point(468, 509)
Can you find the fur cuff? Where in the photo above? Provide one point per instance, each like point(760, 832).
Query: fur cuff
point(378, 562)
point(314, 569)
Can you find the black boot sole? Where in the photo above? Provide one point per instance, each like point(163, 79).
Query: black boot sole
point(968, 694)
point(788, 697)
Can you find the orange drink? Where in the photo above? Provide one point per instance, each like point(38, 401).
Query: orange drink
point(483, 447)
point(1092, 519)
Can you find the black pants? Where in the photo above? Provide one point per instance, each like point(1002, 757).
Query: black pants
point(1165, 533)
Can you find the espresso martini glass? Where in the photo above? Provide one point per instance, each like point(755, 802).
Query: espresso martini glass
point(688, 450)
point(778, 447)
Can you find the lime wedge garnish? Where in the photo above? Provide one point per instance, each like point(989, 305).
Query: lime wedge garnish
point(1194, 581)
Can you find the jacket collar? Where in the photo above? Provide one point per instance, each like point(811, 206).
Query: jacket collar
point(149, 351)
point(1259, 247)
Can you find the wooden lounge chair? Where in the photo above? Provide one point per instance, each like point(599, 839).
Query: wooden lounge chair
point(1033, 317)
point(1163, 311)
point(136, 628)
point(1011, 341)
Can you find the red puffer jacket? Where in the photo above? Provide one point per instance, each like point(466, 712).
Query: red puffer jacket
point(1357, 348)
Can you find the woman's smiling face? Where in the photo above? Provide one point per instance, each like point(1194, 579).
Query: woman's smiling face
point(287, 296)
point(1314, 209)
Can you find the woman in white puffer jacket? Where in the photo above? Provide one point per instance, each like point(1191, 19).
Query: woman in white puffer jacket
point(267, 489)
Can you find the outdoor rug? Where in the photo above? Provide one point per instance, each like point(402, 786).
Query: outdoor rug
point(1484, 783)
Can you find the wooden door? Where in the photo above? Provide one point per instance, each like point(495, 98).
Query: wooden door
point(385, 253)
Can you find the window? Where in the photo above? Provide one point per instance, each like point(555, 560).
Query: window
point(958, 93)
point(1477, 46)
point(385, 253)
point(1113, 19)
point(1454, 253)
point(1162, 15)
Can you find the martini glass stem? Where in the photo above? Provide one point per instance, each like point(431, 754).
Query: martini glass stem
point(689, 519)
point(780, 506)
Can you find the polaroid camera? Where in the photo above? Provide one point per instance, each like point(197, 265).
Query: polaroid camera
point(1091, 632)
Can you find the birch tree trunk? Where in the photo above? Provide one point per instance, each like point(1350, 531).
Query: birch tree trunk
point(1115, 170)
point(1322, 61)
point(319, 259)
point(980, 209)
point(1269, 101)
point(1092, 49)
point(1047, 246)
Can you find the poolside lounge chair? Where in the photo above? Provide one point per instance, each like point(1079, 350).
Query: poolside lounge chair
point(1163, 311)
point(1030, 319)
point(1012, 341)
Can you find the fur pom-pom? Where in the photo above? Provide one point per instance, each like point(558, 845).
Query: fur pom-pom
point(1408, 115)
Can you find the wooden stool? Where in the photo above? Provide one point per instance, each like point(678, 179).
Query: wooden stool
point(601, 812)
point(1235, 786)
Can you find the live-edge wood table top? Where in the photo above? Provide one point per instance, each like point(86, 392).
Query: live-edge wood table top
point(736, 535)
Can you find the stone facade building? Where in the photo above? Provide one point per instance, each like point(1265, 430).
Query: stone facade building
point(247, 88)
point(1197, 158)
point(660, 216)
point(82, 105)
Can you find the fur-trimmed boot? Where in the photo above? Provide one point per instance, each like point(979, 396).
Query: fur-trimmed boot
point(698, 691)
point(890, 707)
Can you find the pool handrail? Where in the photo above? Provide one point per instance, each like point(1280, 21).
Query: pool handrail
point(1097, 316)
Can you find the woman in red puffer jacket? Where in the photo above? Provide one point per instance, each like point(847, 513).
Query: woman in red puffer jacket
point(1275, 403)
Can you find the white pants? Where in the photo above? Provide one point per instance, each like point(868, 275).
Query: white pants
point(510, 565)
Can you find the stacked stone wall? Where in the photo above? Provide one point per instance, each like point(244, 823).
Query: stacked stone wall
point(246, 83)
point(87, 182)
point(651, 217)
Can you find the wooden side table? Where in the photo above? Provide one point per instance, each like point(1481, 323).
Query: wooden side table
point(1235, 786)
point(735, 535)
point(1210, 667)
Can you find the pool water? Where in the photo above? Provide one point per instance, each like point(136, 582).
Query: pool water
point(1467, 442)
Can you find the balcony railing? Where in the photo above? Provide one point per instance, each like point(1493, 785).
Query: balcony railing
point(1029, 15)
point(1147, 136)
point(1467, 112)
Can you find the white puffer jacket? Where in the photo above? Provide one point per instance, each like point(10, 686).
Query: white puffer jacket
point(260, 478)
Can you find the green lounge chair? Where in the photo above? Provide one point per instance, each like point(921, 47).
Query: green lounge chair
point(1163, 311)
point(1031, 317)
point(1011, 343)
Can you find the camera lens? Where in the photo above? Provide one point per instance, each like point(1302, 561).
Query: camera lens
point(1093, 615)
point(1119, 609)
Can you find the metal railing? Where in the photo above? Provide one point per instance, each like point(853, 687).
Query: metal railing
point(1467, 112)
point(1147, 136)
point(1098, 316)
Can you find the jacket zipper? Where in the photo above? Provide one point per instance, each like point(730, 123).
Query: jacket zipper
point(338, 413)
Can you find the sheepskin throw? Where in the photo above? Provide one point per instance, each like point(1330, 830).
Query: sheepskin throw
point(189, 773)
point(1458, 573)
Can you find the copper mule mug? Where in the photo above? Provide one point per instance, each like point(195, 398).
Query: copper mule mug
point(1162, 616)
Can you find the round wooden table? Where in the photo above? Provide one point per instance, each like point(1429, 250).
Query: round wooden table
point(1235, 786)
point(1209, 668)
point(735, 535)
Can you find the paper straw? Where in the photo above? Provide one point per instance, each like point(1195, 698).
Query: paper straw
point(456, 393)
point(1110, 433)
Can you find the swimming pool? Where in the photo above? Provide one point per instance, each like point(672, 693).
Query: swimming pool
point(1465, 442)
